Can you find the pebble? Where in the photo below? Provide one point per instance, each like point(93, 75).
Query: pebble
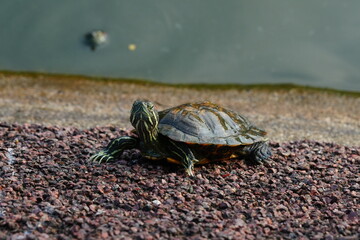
point(49, 190)
point(156, 202)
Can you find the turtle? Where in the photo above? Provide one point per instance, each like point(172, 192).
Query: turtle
point(189, 134)
point(96, 39)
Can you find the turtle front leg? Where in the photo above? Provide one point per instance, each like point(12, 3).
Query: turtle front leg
point(115, 148)
point(182, 153)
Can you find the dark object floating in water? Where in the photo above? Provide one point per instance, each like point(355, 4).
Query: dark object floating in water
point(95, 39)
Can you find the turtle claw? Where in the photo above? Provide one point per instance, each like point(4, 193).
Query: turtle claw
point(109, 159)
point(101, 157)
point(190, 171)
point(92, 158)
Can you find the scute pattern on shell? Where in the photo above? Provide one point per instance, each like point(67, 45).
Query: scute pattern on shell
point(208, 123)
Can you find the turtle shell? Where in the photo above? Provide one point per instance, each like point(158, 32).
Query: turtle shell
point(208, 123)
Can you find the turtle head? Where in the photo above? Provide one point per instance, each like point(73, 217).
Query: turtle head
point(145, 120)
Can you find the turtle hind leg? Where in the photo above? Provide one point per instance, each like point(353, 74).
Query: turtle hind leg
point(258, 152)
point(115, 148)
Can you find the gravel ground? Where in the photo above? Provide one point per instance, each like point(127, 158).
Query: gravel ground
point(48, 190)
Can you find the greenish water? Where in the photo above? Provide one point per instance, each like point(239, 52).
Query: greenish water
point(312, 43)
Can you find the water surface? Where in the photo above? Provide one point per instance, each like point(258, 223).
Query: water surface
point(305, 42)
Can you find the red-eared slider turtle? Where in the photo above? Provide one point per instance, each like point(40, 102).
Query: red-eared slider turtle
point(193, 133)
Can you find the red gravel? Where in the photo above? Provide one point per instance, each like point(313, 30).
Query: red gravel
point(49, 190)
